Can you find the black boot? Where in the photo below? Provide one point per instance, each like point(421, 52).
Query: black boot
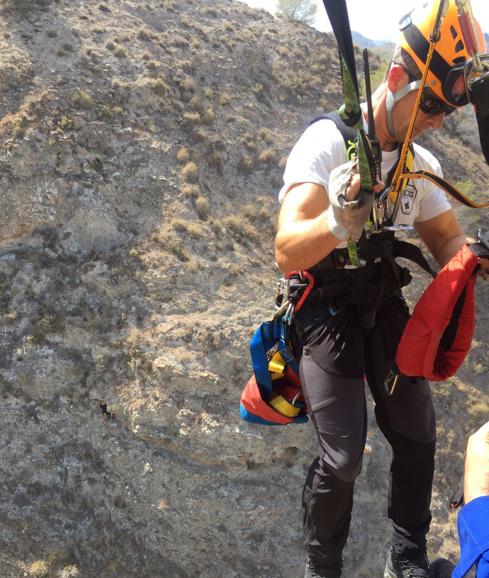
point(441, 568)
point(399, 567)
point(315, 572)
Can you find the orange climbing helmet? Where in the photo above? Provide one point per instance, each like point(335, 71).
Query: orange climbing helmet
point(451, 51)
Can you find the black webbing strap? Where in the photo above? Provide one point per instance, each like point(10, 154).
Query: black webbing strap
point(447, 187)
point(340, 23)
point(348, 133)
point(418, 43)
point(409, 251)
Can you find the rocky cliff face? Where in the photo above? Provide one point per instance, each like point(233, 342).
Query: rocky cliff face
point(141, 148)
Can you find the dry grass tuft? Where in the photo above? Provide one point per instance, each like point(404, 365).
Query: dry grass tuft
point(191, 119)
point(267, 156)
point(183, 155)
point(83, 100)
point(190, 172)
point(202, 207)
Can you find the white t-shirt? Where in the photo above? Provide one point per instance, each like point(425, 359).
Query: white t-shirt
point(321, 148)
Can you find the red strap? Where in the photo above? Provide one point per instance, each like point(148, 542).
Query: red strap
point(310, 284)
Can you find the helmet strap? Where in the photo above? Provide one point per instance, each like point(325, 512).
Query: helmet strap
point(392, 98)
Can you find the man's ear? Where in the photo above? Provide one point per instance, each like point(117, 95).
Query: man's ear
point(396, 78)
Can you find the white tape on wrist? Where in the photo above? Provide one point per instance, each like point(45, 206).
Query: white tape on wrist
point(338, 230)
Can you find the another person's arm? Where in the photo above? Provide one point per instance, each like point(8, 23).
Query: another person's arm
point(473, 519)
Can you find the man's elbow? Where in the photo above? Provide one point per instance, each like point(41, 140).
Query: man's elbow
point(281, 259)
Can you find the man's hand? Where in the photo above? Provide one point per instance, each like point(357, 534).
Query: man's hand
point(350, 206)
point(476, 476)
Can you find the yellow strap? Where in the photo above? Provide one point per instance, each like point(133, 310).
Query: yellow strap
point(396, 194)
point(276, 365)
point(283, 407)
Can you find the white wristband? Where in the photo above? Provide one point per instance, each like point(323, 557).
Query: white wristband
point(335, 228)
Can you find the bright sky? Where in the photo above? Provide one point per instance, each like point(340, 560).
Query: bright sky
point(364, 15)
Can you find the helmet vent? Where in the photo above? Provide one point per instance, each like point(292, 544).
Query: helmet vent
point(459, 46)
point(453, 31)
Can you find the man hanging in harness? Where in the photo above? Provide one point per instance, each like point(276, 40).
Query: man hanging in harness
point(349, 326)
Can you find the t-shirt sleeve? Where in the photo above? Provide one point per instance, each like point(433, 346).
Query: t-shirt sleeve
point(473, 531)
point(317, 152)
point(434, 201)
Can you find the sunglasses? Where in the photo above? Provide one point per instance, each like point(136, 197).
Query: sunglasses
point(432, 105)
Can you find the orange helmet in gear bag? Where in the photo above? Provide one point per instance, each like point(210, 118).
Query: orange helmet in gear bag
point(451, 53)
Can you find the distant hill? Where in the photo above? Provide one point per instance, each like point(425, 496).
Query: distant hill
point(364, 42)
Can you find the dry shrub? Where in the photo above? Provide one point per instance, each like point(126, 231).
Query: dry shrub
point(215, 161)
point(109, 111)
point(224, 99)
point(202, 207)
point(180, 42)
point(193, 266)
point(216, 226)
point(179, 225)
point(187, 84)
point(191, 119)
point(82, 99)
point(196, 104)
point(240, 227)
point(266, 135)
point(208, 116)
point(194, 230)
point(249, 142)
point(143, 34)
point(200, 135)
point(159, 87)
point(120, 52)
point(190, 172)
point(246, 164)
point(267, 156)
point(38, 569)
point(190, 191)
point(250, 211)
point(183, 155)
point(187, 65)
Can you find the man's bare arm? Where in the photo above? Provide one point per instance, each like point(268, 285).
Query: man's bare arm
point(303, 238)
point(442, 235)
point(476, 476)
